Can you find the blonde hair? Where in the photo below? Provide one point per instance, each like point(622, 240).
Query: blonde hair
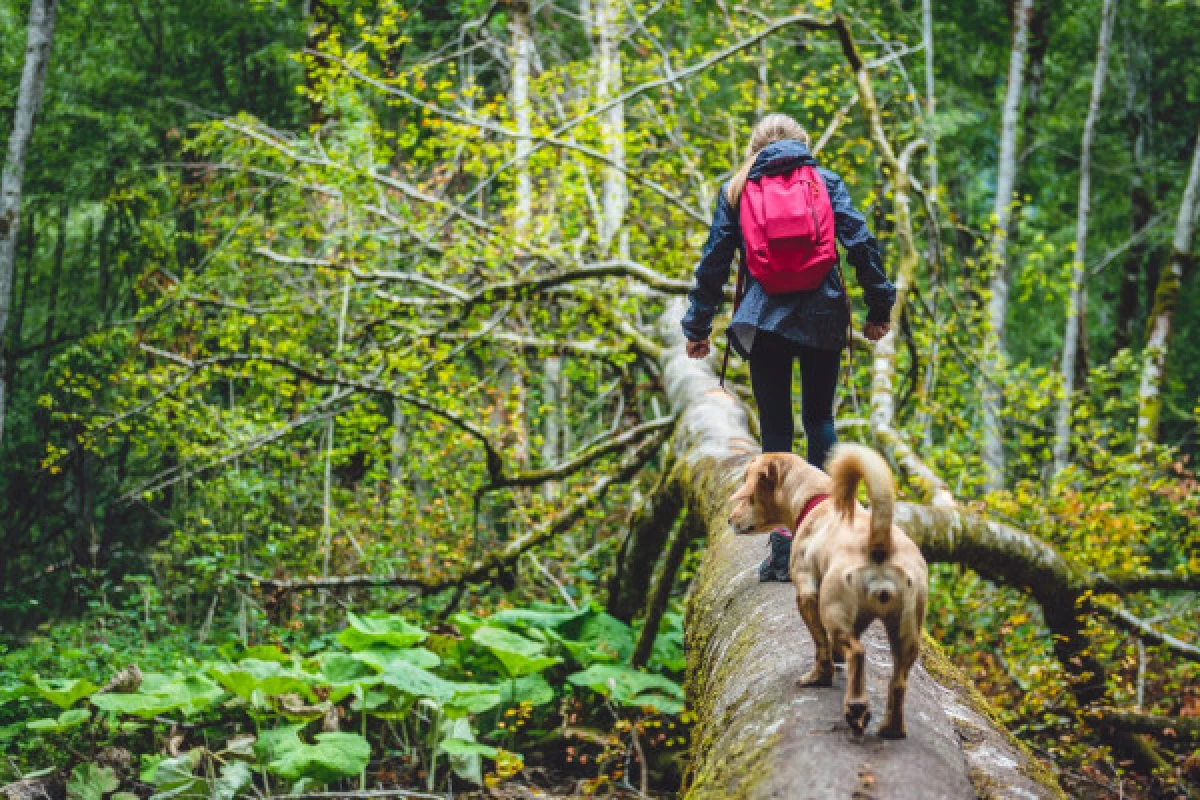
point(771, 128)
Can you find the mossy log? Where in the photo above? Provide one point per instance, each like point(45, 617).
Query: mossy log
point(756, 734)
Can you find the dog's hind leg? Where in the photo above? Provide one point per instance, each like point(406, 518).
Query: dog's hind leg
point(858, 712)
point(904, 637)
point(806, 600)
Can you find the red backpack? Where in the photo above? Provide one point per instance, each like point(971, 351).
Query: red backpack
point(788, 227)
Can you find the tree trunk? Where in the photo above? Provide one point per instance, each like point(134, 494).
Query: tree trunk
point(1166, 295)
point(614, 195)
point(1076, 307)
point(997, 314)
point(1141, 196)
point(757, 735)
point(29, 97)
point(930, 101)
point(56, 270)
point(649, 528)
point(522, 45)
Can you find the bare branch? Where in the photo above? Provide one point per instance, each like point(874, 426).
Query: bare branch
point(479, 571)
point(1153, 724)
point(582, 459)
point(1144, 630)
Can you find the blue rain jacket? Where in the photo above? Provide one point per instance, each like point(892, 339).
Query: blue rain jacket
point(816, 318)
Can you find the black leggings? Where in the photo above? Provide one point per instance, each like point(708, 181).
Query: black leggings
point(771, 378)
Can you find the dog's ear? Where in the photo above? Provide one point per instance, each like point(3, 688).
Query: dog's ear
point(768, 476)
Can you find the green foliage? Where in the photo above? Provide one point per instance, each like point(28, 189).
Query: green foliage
point(496, 674)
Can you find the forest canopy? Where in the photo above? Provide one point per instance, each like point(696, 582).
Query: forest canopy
point(336, 450)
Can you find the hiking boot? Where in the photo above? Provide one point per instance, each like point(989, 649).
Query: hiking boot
point(775, 568)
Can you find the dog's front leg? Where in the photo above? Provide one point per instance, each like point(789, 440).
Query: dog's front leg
point(806, 600)
point(903, 636)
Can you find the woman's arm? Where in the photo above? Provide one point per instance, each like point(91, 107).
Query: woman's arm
point(724, 238)
point(862, 251)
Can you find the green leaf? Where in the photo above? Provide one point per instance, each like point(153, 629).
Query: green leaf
point(381, 657)
point(417, 682)
point(274, 743)
point(548, 616)
point(388, 630)
point(176, 778)
point(161, 694)
point(532, 689)
point(72, 718)
point(269, 677)
point(518, 654)
point(595, 637)
point(334, 756)
point(90, 782)
point(235, 776)
point(461, 747)
point(630, 687)
point(64, 692)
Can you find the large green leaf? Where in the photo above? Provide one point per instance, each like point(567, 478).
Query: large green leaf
point(269, 677)
point(532, 689)
point(234, 778)
point(374, 630)
point(161, 694)
point(175, 778)
point(518, 654)
point(90, 782)
point(71, 718)
point(381, 657)
point(630, 687)
point(539, 616)
point(416, 682)
point(334, 756)
point(64, 692)
point(596, 637)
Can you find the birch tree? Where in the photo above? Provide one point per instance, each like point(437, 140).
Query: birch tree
point(29, 97)
point(522, 55)
point(997, 311)
point(614, 194)
point(1077, 298)
point(1166, 295)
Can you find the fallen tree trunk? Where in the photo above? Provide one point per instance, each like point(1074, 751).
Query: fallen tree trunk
point(756, 733)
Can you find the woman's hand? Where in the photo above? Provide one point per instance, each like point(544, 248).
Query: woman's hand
point(698, 349)
point(874, 331)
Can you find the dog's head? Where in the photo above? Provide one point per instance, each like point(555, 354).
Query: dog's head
point(760, 501)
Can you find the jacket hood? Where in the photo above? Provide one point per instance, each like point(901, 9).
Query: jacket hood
point(780, 157)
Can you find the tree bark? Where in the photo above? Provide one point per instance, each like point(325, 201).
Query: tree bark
point(995, 349)
point(38, 43)
point(756, 734)
point(56, 270)
point(1076, 307)
point(649, 527)
point(1141, 196)
point(614, 195)
point(522, 55)
point(1166, 295)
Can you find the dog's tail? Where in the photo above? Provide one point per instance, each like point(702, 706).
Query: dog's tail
point(851, 463)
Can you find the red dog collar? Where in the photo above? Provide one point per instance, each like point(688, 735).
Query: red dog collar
point(812, 503)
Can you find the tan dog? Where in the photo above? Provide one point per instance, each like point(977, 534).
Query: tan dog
point(850, 567)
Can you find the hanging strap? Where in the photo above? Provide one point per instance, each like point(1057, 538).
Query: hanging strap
point(738, 292)
point(847, 375)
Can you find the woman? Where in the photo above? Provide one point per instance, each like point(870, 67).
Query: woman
point(773, 330)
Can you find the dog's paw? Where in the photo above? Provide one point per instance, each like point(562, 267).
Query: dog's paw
point(857, 717)
point(892, 730)
point(817, 676)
